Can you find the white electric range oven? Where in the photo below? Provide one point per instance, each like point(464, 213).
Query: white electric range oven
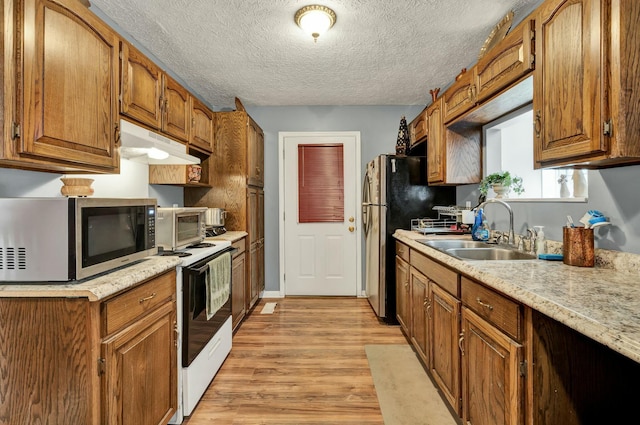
point(203, 344)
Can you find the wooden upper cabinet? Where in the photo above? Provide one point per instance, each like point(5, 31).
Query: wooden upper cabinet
point(176, 117)
point(567, 85)
point(586, 83)
point(436, 146)
point(507, 62)
point(418, 129)
point(255, 154)
point(461, 96)
point(141, 86)
point(152, 97)
point(201, 125)
point(67, 90)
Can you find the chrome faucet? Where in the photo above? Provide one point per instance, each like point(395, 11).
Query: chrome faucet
point(512, 235)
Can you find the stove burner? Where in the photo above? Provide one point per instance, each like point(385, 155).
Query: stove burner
point(201, 245)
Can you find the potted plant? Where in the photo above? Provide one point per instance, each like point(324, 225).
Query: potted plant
point(501, 183)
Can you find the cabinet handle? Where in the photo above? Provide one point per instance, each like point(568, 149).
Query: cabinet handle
point(141, 300)
point(485, 305)
point(258, 170)
point(460, 343)
point(537, 124)
point(161, 103)
point(116, 134)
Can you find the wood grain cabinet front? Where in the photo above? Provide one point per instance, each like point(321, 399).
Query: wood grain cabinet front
point(75, 361)
point(238, 279)
point(235, 173)
point(492, 356)
point(151, 97)
point(66, 80)
point(403, 292)
point(586, 83)
point(202, 126)
point(418, 129)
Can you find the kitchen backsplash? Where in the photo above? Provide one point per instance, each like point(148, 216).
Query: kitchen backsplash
point(132, 182)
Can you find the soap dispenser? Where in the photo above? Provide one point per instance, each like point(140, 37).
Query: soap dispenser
point(540, 242)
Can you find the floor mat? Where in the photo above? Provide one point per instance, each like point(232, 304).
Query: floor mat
point(405, 393)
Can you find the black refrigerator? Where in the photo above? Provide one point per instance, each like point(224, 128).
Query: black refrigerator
point(394, 191)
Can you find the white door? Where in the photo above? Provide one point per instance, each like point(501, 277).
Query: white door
point(320, 224)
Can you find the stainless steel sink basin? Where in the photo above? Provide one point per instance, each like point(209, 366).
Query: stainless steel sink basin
point(489, 254)
point(476, 250)
point(444, 244)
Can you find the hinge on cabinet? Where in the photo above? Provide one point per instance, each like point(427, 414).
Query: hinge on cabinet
point(523, 368)
point(607, 128)
point(15, 132)
point(101, 366)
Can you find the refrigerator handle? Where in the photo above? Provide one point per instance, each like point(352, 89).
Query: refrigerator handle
point(366, 202)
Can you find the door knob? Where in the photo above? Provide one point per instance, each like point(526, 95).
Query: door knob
point(351, 228)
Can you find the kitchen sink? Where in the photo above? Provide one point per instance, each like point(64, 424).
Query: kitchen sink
point(444, 244)
point(493, 253)
point(476, 250)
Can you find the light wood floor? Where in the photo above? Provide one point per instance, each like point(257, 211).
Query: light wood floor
point(304, 364)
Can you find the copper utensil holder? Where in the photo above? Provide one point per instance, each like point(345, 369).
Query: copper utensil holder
point(577, 246)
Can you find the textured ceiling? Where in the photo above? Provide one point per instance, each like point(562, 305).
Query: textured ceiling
point(379, 52)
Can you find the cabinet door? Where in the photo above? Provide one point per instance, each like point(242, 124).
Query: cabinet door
point(460, 97)
point(141, 366)
point(201, 125)
point(141, 86)
point(176, 109)
point(402, 295)
point(445, 355)
point(436, 146)
point(568, 104)
point(68, 87)
point(256, 154)
point(492, 386)
point(420, 305)
point(255, 216)
point(238, 270)
point(418, 129)
point(507, 62)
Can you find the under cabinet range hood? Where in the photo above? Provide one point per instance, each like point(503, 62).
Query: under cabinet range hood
point(142, 145)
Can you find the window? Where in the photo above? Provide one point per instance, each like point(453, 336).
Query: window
point(508, 146)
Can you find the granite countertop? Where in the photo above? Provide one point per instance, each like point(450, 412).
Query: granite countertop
point(601, 302)
point(94, 288)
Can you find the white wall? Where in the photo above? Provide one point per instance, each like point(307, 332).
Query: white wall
point(132, 182)
point(614, 191)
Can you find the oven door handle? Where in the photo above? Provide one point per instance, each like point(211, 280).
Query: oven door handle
point(203, 268)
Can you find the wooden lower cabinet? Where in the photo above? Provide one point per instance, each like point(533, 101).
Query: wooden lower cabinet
point(403, 292)
point(469, 337)
point(420, 305)
point(140, 370)
point(238, 279)
point(492, 382)
point(73, 361)
point(445, 363)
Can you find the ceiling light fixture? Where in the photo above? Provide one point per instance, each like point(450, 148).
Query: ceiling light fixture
point(315, 19)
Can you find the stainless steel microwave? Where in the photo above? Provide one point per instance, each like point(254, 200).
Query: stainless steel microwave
point(179, 227)
point(62, 239)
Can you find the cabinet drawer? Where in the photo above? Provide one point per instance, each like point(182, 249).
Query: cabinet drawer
point(402, 251)
point(127, 307)
point(241, 245)
point(446, 278)
point(497, 309)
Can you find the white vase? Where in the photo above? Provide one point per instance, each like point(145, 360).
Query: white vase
point(500, 190)
point(579, 184)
